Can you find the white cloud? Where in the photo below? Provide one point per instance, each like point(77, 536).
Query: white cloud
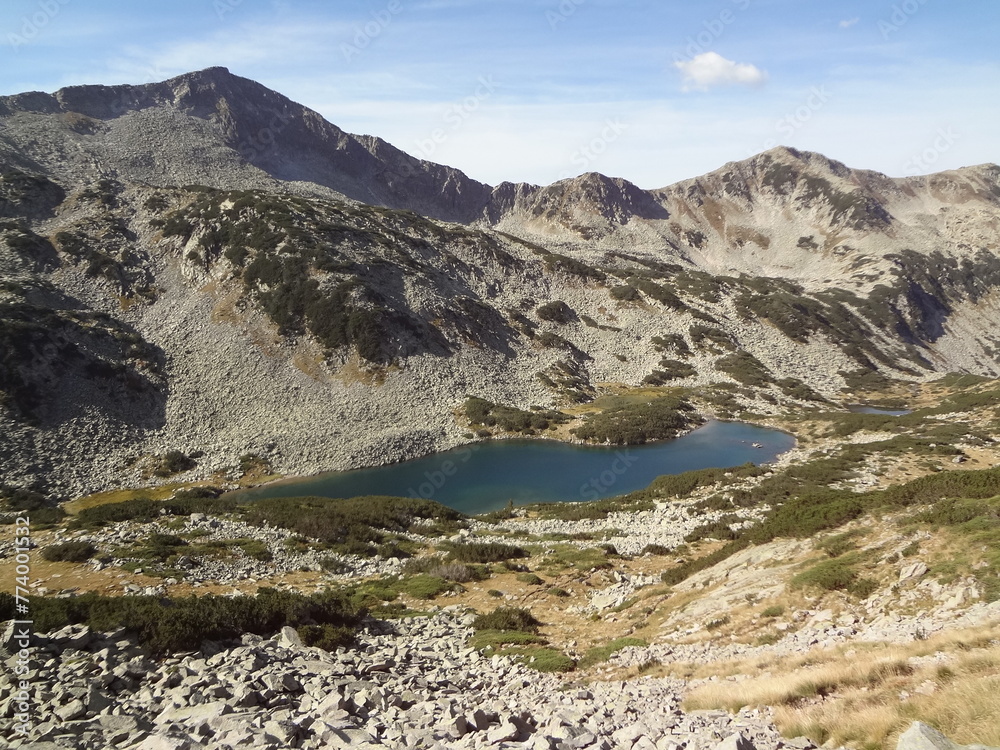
point(849, 22)
point(710, 69)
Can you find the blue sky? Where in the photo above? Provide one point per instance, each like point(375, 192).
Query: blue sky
point(536, 90)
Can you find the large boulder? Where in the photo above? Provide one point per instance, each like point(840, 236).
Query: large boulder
point(922, 737)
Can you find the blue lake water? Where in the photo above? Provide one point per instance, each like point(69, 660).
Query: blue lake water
point(860, 409)
point(481, 477)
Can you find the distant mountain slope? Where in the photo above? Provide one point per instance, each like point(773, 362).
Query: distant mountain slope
point(782, 213)
point(203, 266)
point(212, 127)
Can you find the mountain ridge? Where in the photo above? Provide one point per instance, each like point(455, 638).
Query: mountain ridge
point(258, 124)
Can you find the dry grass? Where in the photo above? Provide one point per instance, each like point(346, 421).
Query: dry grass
point(119, 496)
point(866, 695)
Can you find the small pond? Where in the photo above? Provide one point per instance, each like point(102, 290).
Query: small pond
point(862, 409)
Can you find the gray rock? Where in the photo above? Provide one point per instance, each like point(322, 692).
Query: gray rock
point(288, 638)
point(922, 737)
point(913, 570)
point(72, 710)
point(736, 742)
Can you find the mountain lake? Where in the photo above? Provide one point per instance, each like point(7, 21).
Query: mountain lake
point(485, 476)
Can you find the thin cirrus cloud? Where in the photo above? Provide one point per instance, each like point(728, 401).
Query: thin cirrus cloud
point(849, 22)
point(711, 70)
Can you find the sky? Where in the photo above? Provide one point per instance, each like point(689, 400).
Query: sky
point(654, 91)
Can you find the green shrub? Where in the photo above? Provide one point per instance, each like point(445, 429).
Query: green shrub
point(599, 654)
point(572, 266)
point(838, 544)
point(482, 412)
point(682, 485)
point(181, 624)
point(863, 588)
point(673, 342)
point(485, 552)
point(634, 424)
point(22, 499)
point(145, 510)
point(423, 586)
point(255, 549)
point(775, 610)
point(544, 659)
point(507, 618)
point(625, 293)
point(670, 369)
point(744, 368)
point(326, 637)
point(711, 530)
point(973, 484)
point(556, 311)
point(69, 552)
point(711, 338)
point(661, 294)
point(556, 591)
point(529, 578)
point(492, 641)
point(829, 575)
point(353, 523)
point(173, 462)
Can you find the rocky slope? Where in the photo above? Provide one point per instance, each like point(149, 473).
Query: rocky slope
point(294, 290)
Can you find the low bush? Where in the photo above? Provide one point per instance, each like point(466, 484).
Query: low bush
point(828, 575)
point(599, 654)
point(507, 618)
point(634, 424)
point(744, 368)
point(545, 659)
point(173, 462)
point(348, 525)
point(326, 637)
point(145, 510)
point(682, 485)
point(69, 552)
point(485, 552)
point(556, 311)
point(181, 624)
point(669, 370)
point(482, 412)
point(625, 293)
point(492, 641)
point(838, 544)
point(710, 338)
point(423, 586)
point(712, 530)
point(673, 342)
